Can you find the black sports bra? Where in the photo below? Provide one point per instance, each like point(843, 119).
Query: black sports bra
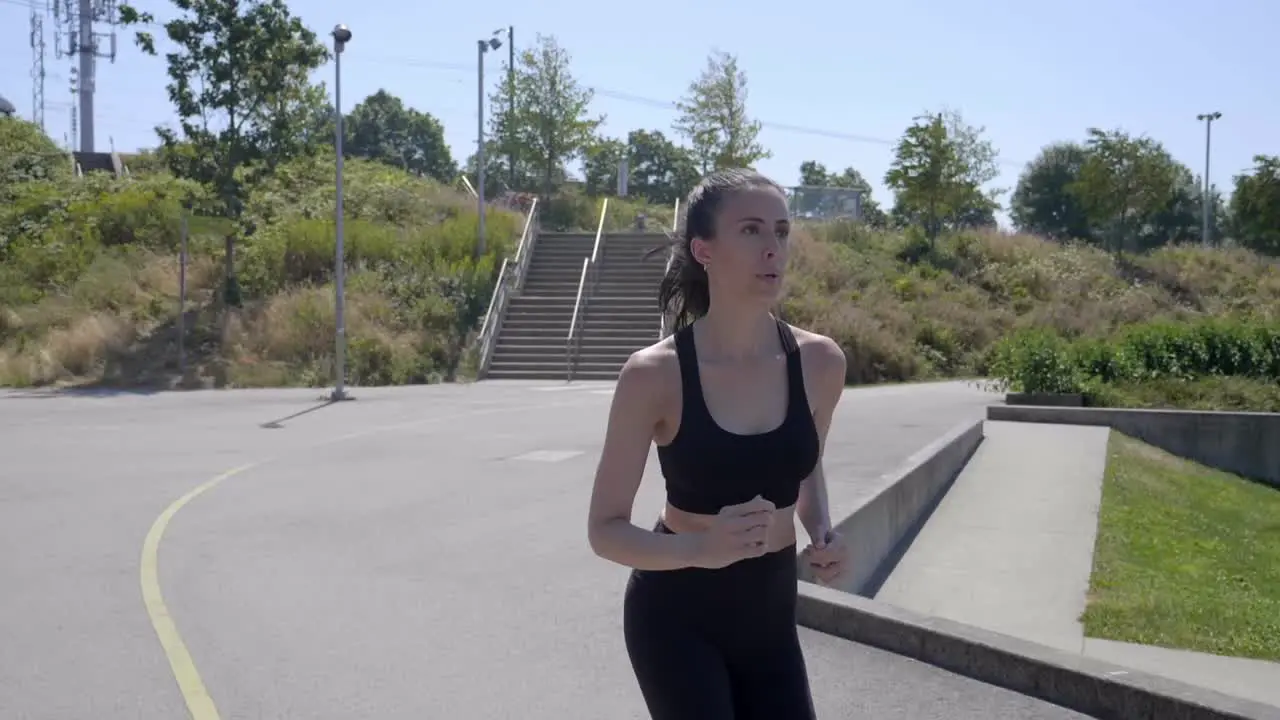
point(707, 467)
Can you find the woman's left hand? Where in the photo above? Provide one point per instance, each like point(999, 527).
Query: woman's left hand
point(826, 557)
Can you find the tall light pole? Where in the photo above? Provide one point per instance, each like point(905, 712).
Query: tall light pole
point(511, 104)
point(482, 47)
point(1207, 210)
point(341, 36)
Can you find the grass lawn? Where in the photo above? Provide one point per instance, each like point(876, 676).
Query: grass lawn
point(1187, 557)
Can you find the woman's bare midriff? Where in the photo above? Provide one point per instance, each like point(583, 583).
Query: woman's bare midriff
point(782, 531)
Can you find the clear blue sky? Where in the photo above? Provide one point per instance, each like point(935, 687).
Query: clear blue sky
point(1030, 72)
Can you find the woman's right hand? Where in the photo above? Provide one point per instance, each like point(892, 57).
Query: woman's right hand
point(737, 533)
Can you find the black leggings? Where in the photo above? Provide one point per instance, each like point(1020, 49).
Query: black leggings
point(718, 644)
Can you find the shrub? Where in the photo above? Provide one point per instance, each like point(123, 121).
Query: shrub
point(1162, 352)
point(1036, 361)
point(88, 283)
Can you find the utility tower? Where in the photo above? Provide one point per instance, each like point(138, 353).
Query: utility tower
point(37, 66)
point(76, 37)
point(75, 106)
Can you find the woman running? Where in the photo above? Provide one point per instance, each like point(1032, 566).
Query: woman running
point(738, 403)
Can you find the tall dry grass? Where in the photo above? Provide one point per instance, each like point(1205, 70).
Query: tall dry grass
point(904, 310)
point(900, 308)
point(120, 299)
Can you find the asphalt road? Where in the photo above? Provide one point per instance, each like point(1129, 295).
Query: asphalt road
point(416, 553)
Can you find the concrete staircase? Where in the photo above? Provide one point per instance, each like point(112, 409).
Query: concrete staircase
point(620, 316)
point(622, 313)
point(531, 340)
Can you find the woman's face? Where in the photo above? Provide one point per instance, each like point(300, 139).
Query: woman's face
point(748, 256)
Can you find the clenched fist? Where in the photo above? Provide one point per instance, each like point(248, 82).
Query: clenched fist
point(737, 533)
point(826, 556)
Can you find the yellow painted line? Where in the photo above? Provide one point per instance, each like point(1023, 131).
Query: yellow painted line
point(194, 693)
point(199, 703)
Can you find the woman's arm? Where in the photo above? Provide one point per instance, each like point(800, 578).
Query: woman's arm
point(828, 363)
point(632, 418)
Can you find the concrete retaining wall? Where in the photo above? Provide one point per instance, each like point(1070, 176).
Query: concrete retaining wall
point(878, 532)
point(1242, 443)
point(1088, 686)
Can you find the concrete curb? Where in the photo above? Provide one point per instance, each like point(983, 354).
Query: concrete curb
point(1086, 685)
point(1238, 442)
point(878, 532)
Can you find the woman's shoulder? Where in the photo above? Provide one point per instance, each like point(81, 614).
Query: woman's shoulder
point(817, 346)
point(822, 356)
point(652, 370)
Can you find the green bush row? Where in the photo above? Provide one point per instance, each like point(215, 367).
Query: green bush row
point(1040, 361)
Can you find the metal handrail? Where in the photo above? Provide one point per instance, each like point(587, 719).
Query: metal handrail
point(595, 249)
point(586, 285)
point(671, 258)
point(524, 253)
point(488, 331)
point(510, 280)
point(573, 324)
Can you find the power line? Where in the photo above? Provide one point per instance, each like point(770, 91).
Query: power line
point(656, 103)
point(622, 96)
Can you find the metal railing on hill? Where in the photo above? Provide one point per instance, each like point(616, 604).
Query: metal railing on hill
point(586, 285)
point(511, 280)
point(664, 321)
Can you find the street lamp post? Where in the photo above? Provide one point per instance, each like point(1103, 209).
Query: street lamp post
point(482, 47)
point(511, 104)
point(341, 36)
point(1207, 211)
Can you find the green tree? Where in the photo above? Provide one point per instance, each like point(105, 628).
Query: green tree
point(27, 154)
point(294, 119)
point(497, 170)
point(713, 117)
point(1255, 206)
point(382, 128)
point(977, 153)
point(1180, 219)
point(551, 123)
point(1123, 182)
point(600, 165)
point(937, 175)
point(1042, 203)
point(658, 170)
point(30, 162)
point(233, 62)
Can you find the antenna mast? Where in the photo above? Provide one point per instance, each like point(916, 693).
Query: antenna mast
point(76, 37)
point(37, 66)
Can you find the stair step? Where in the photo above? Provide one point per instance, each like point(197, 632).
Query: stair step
point(545, 319)
point(557, 354)
point(547, 365)
point(543, 290)
point(618, 319)
point(528, 331)
point(540, 353)
point(628, 271)
point(536, 324)
point(519, 374)
point(560, 256)
point(542, 301)
point(556, 265)
point(629, 342)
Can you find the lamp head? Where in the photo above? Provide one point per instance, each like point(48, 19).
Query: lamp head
point(341, 35)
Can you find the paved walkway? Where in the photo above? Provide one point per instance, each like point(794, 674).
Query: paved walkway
point(419, 552)
point(1010, 549)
